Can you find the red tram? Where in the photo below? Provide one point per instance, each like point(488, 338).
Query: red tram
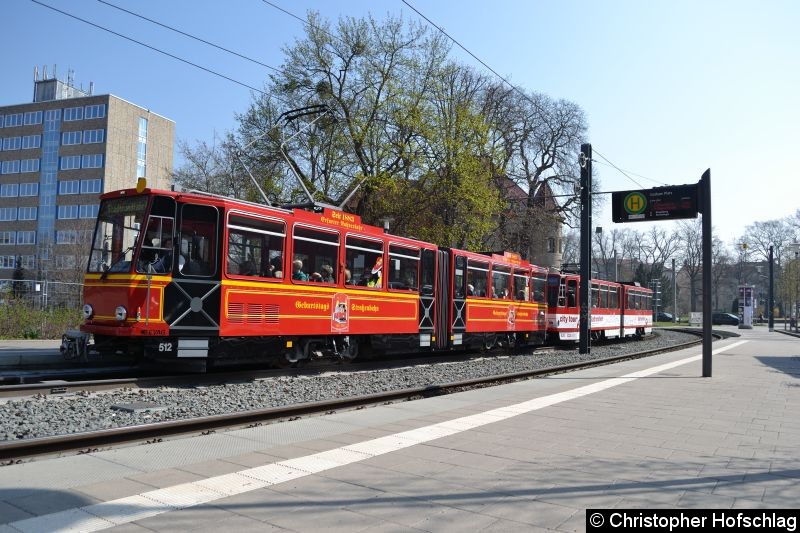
point(199, 278)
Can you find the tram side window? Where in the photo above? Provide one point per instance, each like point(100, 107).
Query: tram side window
point(538, 289)
point(500, 282)
point(255, 247)
point(198, 240)
point(521, 286)
point(477, 278)
point(403, 268)
point(572, 293)
point(612, 300)
point(595, 295)
point(364, 261)
point(459, 277)
point(315, 255)
point(604, 296)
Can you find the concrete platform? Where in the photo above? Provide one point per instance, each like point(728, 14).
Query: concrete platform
point(17, 354)
point(528, 456)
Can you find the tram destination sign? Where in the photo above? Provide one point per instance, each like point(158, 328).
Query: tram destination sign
point(659, 203)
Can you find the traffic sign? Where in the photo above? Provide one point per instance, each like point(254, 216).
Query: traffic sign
point(659, 203)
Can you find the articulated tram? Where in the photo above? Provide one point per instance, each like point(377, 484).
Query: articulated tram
point(203, 279)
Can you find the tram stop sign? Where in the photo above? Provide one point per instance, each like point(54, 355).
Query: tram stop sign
point(658, 203)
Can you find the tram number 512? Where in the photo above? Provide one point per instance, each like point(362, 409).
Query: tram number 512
point(164, 346)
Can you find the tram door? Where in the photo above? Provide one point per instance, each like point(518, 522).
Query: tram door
point(747, 304)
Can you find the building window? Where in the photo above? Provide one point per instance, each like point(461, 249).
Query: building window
point(13, 120)
point(8, 213)
point(7, 261)
point(95, 111)
point(53, 115)
point(12, 143)
point(141, 149)
point(90, 186)
point(551, 245)
point(73, 113)
point(66, 236)
point(67, 212)
point(69, 187)
point(26, 237)
point(70, 162)
point(9, 190)
point(31, 141)
point(29, 165)
point(65, 262)
point(27, 213)
point(28, 262)
point(94, 136)
point(1, 120)
point(89, 211)
point(33, 117)
point(71, 137)
point(7, 237)
point(10, 167)
point(29, 189)
point(92, 161)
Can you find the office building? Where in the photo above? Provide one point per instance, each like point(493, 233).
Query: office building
point(57, 155)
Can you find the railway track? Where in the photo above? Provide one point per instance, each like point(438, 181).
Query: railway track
point(53, 383)
point(15, 450)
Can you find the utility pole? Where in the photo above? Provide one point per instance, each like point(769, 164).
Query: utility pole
point(585, 161)
point(705, 194)
point(674, 295)
point(771, 299)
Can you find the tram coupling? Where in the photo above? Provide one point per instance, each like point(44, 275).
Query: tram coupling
point(75, 345)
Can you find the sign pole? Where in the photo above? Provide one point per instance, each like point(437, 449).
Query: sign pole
point(705, 194)
point(586, 247)
point(771, 299)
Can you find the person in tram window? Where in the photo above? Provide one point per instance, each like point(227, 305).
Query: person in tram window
point(164, 263)
point(297, 270)
point(347, 276)
point(327, 273)
point(470, 290)
point(274, 266)
point(315, 277)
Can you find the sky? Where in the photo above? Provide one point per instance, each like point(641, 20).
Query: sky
point(670, 88)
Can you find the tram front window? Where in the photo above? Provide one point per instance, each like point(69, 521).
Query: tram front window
point(117, 233)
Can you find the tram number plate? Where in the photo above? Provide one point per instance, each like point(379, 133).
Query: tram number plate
point(165, 347)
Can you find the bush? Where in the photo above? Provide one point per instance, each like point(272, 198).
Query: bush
point(20, 320)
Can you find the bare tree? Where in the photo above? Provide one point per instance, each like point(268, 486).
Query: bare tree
point(690, 234)
point(721, 262)
point(760, 235)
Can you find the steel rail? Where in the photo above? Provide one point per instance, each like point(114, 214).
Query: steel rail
point(90, 440)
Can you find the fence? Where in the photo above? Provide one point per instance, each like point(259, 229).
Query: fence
point(42, 294)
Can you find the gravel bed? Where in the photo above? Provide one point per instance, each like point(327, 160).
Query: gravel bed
point(51, 415)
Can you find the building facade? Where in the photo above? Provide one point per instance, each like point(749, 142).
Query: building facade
point(57, 155)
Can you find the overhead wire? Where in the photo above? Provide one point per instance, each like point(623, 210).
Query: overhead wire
point(515, 88)
point(479, 60)
point(616, 167)
point(186, 34)
point(659, 182)
point(155, 49)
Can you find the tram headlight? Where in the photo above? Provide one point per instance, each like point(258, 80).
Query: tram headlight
point(88, 312)
point(120, 313)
